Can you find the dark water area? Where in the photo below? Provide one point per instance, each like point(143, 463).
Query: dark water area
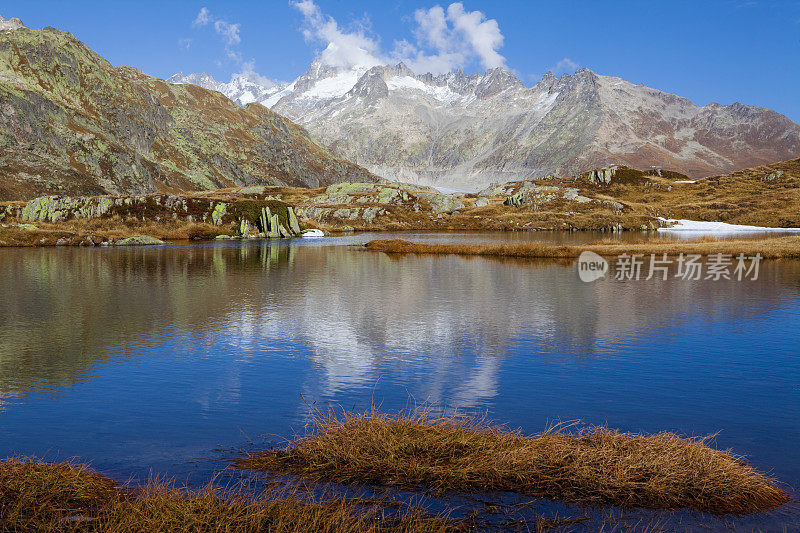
point(172, 360)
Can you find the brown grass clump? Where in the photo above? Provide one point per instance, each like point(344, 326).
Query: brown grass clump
point(39, 496)
point(164, 508)
point(769, 248)
point(50, 497)
point(591, 465)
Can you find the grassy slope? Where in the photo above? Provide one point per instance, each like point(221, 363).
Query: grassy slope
point(739, 198)
point(77, 125)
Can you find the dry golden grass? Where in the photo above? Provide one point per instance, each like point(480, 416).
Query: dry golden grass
point(769, 248)
point(87, 231)
point(52, 497)
point(591, 465)
point(36, 495)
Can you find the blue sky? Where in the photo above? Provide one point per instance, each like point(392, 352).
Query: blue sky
point(708, 51)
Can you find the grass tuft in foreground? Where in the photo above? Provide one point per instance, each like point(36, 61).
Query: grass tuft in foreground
point(37, 496)
point(769, 248)
point(590, 465)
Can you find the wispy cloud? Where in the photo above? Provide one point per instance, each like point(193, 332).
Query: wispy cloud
point(565, 66)
point(229, 32)
point(185, 44)
point(203, 17)
point(444, 39)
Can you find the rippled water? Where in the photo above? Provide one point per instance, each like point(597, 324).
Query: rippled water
point(170, 359)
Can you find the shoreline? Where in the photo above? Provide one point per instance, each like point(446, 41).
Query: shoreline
point(787, 247)
point(412, 450)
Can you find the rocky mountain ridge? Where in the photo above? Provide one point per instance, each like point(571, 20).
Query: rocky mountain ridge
point(71, 123)
point(458, 130)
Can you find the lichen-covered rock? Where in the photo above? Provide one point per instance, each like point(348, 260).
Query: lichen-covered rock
point(245, 227)
point(346, 213)
point(370, 213)
point(55, 209)
point(773, 176)
point(516, 200)
point(139, 240)
point(441, 203)
point(481, 202)
point(603, 176)
point(571, 193)
point(294, 225)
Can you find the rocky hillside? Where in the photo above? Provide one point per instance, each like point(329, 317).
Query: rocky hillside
point(467, 131)
point(71, 123)
point(613, 198)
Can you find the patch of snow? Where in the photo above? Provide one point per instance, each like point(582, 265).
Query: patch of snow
point(405, 82)
point(333, 87)
point(312, 234)
point(275, 97)
point(247, 98)
point(443, 94)
point(685, 181)
point(719, 227)
point(545, 101)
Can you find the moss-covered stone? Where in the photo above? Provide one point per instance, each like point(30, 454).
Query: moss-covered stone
point(139, 240)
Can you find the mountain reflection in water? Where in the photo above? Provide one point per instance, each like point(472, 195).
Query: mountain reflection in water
point(151, 358)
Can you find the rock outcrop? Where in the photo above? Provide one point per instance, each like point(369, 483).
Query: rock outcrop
point(247, 217)
point(367, 202)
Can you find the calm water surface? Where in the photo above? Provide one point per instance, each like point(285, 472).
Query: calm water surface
point(172, 360)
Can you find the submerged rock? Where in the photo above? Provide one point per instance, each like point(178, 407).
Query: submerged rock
point(139, 240)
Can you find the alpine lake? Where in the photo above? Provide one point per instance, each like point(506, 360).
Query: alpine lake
point(171, 361)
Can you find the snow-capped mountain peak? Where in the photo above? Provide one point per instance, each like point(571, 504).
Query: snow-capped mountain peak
point(462, 130)
point(243, 88)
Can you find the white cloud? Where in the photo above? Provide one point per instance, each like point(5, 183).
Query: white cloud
point(203, 17)
point(483, 36)
point(344, 49)
point(185, 44)
point(230, 32)
point(248, 71)
point(446, 39)
point(566, 65)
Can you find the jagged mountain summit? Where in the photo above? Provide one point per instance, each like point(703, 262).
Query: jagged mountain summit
point(469, 130)
point(242, 88)
point(71, 123)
